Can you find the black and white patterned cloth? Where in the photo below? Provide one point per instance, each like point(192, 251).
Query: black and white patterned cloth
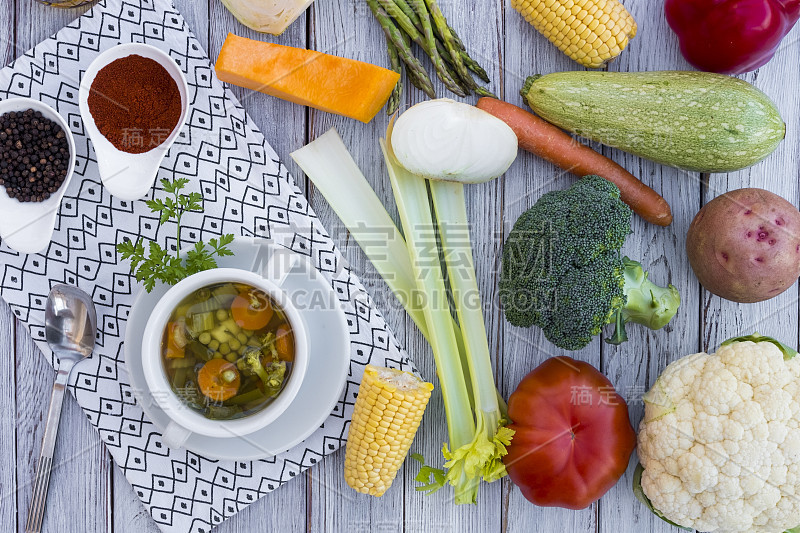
point(247, 192)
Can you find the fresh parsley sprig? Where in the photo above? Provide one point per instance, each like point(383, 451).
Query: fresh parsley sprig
point(152, 263)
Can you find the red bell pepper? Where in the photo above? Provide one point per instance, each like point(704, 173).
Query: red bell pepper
point(573, 437)
point(731, 36)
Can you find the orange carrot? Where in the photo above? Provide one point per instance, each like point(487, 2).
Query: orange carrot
point(219, 380)
point(251, 310)
point(284, 343)
point(547, 141)
point(174, 348)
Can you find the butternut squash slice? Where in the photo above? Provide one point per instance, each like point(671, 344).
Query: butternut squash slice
point(329, 83)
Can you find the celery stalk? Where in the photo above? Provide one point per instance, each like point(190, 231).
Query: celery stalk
point(330, 167)
point(411, 196)
point(482, 457)
point(411, 267)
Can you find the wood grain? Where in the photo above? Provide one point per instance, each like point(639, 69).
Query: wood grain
point(79, 456)
point(777, 317)
point(8, 392)
point(98, 496)
point(8, 418)
point(344, 28)
point(634, 366)
point(437, 512)
point(524, 349)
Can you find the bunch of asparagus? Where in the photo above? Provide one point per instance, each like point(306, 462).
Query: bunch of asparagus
point(422, 22)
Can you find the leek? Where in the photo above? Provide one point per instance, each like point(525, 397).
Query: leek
point(480, 457)
point(330, 167)
point(328, 164)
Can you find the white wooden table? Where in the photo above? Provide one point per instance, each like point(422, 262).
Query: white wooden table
point(89, 493)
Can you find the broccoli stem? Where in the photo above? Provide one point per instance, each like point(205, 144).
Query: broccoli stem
point(646, 303)
point(620, 335)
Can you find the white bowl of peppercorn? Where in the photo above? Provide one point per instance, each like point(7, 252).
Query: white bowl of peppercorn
point(134, 101)
point(37, 159)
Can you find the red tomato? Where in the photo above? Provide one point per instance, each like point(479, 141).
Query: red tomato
point(251, 310)
point(573, 438)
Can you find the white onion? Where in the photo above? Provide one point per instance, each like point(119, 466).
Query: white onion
point(451, 141)
point(267, 16)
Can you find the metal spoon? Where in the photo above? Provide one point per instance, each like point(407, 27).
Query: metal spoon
point(70, 326)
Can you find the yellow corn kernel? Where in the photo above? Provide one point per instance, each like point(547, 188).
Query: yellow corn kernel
point(386, 416)
point(591, 32)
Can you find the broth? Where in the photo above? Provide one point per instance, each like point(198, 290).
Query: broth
point(227, 350)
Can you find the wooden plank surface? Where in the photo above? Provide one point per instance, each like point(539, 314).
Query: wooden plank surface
point(344, 28)
point(8, 403)
point(634, 366)
point(80, 455)
point(91, 494)
point(524, 349)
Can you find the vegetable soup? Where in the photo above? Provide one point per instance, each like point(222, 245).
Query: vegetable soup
point(227, 350)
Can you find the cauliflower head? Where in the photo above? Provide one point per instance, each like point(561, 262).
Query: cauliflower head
point(720, 439)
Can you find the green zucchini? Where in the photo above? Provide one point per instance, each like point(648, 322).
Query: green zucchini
point(690, 120)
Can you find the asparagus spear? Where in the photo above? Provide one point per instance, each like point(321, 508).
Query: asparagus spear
point(449, 42)
point(429, 44)
point(405, 23)
point(395, 36)
point(483, 91)
point(411, 27)
point(413, 30)
point(456, 38)
point(412, 74)
point(468, 60)
point(474, 66)
point(397, 66)
point(480, 91)
point(409, 11)
point(453, 74)
point(470, 63)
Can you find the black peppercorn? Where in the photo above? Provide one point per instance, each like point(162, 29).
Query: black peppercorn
point(35, 157)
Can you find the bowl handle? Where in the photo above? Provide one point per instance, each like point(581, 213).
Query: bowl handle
point(175, 436)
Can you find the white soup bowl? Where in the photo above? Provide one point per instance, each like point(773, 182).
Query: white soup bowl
point(184, 421)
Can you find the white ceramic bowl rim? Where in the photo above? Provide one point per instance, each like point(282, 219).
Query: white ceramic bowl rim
point(155, 374)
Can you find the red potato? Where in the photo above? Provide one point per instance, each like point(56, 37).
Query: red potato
point(745, 245)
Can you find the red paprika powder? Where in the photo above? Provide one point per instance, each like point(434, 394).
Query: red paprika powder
point(135, 103)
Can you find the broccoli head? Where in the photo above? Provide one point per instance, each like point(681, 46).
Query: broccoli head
point(272, 376)
point(562, 269)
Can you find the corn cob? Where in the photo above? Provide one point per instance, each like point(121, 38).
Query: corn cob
point(591, 32)
point(387, 413)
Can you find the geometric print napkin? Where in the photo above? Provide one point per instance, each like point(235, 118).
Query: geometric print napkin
point(247, 191)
